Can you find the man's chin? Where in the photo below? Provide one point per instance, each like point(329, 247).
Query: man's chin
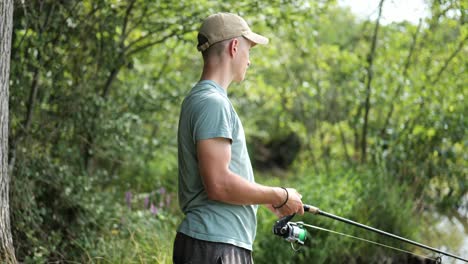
point(240, 79)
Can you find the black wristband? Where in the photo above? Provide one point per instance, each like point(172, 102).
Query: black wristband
point(285, 201)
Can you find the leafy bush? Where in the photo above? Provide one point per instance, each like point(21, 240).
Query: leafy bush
point(367, 196)
point(50, 211)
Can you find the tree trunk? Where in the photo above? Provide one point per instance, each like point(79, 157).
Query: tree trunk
point(7, 253)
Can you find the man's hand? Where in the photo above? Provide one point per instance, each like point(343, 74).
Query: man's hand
point(293, 205)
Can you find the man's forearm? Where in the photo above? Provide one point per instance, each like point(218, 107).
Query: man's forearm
point(234, 189)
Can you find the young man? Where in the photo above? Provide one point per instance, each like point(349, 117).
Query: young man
point(217, 191)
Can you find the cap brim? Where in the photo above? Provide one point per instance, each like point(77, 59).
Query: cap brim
point(256, 38)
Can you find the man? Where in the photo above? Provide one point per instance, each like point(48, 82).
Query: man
point(217, 191)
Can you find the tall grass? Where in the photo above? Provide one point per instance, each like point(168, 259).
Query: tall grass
point(142, 231)
point(140, 234)
point(144, 239)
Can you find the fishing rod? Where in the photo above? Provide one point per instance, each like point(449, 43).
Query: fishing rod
point(295, 232)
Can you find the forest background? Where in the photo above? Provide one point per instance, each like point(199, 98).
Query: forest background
point(367, 120)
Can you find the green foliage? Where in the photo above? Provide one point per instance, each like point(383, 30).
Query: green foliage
point(142, 231)
point(49, 211)
point(95, 93)
point(366, 196)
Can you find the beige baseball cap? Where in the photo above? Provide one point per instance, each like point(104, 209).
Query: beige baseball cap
point(223, 26)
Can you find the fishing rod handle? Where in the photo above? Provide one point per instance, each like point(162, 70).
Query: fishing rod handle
point(311, 209)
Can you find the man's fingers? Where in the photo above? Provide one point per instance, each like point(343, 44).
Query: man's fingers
point(301, 207)
point(301, 210)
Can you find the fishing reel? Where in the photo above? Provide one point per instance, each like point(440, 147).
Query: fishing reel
point(290, 231)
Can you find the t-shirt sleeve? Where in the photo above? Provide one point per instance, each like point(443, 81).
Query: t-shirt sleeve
point(212, 119)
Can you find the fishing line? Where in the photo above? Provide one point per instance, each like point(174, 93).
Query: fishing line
point(369, 241)
point(295, 232)
point(317, 211)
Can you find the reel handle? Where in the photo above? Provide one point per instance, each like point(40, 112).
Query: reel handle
point(281, 226)
point(291, 232)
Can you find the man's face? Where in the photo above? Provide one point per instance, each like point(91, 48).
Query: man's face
point(242, 59)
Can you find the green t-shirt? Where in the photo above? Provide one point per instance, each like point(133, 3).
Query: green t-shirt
point(207, 113)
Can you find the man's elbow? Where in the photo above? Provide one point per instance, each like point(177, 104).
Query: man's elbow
point(216, 192)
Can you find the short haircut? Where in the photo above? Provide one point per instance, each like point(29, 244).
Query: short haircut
point(215, 49)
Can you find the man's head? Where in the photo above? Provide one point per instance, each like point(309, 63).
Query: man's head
point(226, 35)
point(224, 26)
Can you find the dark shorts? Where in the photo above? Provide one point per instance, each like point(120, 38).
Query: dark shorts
point(188, 250)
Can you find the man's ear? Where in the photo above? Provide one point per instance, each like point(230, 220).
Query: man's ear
point(233, 46)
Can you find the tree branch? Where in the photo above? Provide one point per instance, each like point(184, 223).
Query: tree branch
point(370, 61)
point(23, 132)
point(345, 145)
point(405, 75)
point(410, 124)
point(147, 45)
point(128, 13)
point(453, 55)
point(121, 53)
point(144, 15)
point(110, 80)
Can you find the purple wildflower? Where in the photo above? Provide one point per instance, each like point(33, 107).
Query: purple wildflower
point(154, 210)
point(162, 190)
point(168, 200)
point(128, 199)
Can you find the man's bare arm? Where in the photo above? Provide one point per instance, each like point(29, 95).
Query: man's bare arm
point(223, 185)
